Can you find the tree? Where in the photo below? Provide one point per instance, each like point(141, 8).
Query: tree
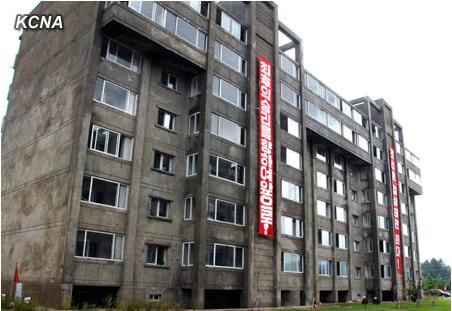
point(435, 273)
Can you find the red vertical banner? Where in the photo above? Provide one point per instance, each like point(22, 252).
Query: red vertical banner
point(395, 210)
point(265, 148)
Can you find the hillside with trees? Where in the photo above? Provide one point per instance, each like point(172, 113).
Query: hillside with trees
point(435, 274)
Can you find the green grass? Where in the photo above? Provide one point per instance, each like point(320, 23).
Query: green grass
point(441, 304)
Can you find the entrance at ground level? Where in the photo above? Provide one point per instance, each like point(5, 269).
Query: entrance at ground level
point(387, 295)
point(289, 298)
point(217, 299)
point(99, 296)
point(327, 296)
point(342, 295)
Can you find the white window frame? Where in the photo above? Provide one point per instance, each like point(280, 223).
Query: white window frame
point(160, 201)
point(296, 226)
point(195, 85)
point(339, 237)
point(327, 207)
point(93, 142)
point(117, 192)
point(228, 23)
point(236, 171)
point(112, 248)
point(188, 209)
point(234, 257)
point(219, 93)
point(301, 262)
point(383, 222)
point(293, 152)
point(295, 102)
point(344, 213)
point(340, 265)
point(322, 180)
point(240, 58)
point(329, 267)
point(165, 248)
point(330, 238)
point(235, 212)
point(220, 133)
point(192, 159)
point(300, 192)
point(190, 250)
point(339, 184)
point(297, 69)
point(131, 101)
point(135, 54)
point(194, 119)
point(356, 246)
point(172, 119)
point(160, 168)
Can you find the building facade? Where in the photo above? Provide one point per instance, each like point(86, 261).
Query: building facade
point(146, 143)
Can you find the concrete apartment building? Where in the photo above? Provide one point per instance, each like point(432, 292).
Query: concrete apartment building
point(131, 165)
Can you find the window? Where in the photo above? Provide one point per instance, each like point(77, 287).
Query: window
point(325, 238)
point(155, 297)
point(290, 125)
point(358, 273)
point(291, 191)
point(289, 66)
point(354, 195)
point(316, 113)
point(120, 54)
point(397, 134)
point(187, 253)
point(413, 236)
point(341, 214)
point(378, 153)
point(325, 267)
point(323, 209)
point(292, 226)
point(289, 95)
point(196, 85)
point(228, 130)
point(163, 162)
point(355, 221)
point(174, 24)
point(231, 25)
point(334, 124)
point(110, 142)
point(383, 222)
point(338, 162)
point(189, 205)
point(342, 268)
point(315, 86)
point(224, 211)
point(157, 255)
point(347, 133)
point(376, 131)
point(366, 195)
point(193, 123)
point(192, 165)
point(379, 175)
point(320, 153)
point(169, 80)
point(166, 119)
point(401, 187)
point(356, 246)
point(225, 169)
point(100, 245)
point(361, 142)
point(201, 7)
point(381, 198)
point(357, 117)
point(405, 230)
point(403, 208)
point(346, 109)
point(408, 273)
point(367, 220)
point(385, 271)
point(115, 96)
point(399, 148)
point(339, 187)
point(332, 99)
point(292, 262)
point(368, 245)
point(230, 58)
point(106, 192)
point(384, 247)
point(221, 255)
point(407, 251)
point(229, 92)
point(159, 207)
point(291, 158)
point(322, 180)
point(369, 271)
point(341, 241)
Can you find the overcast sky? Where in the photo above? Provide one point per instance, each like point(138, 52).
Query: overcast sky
point(397, 50)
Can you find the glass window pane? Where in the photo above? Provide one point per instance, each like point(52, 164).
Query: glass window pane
point(118, 248)
point(226, 169)
point(112, 142)
point(104, 192)
point(80, 241)
point(224, 256)
point(98, 245)
point(124, 56)
point(115, 95)
point(170, 22)
point(225, 211)
point(186, 31)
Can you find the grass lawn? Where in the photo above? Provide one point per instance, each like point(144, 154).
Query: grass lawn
point(441, 304)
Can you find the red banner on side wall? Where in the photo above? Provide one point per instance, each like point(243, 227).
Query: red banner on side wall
point(395, 210)
point(265, 148)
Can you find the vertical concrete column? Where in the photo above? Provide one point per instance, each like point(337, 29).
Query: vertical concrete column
point(349, 224)
point(250, 295)
point(78, 157)
point(330, 159)
point(144, 101)
point(200, 237)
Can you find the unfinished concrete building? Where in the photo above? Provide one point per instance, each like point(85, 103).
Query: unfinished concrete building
point(132, 164)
